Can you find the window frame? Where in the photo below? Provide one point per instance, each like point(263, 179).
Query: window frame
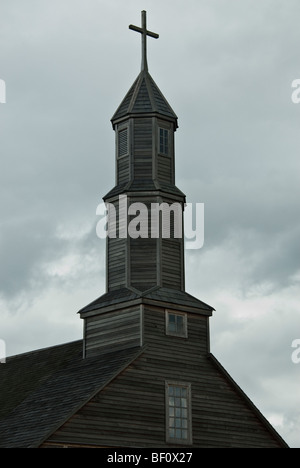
point(184, 333)
point(161, 150)
point(174, 440)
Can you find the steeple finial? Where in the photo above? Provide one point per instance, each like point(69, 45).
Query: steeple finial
point(143, 30)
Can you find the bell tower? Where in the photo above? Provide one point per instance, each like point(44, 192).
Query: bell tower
point(145, 125)
point(145, 242)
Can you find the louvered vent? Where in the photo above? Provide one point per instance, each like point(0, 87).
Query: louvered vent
point(123, 143)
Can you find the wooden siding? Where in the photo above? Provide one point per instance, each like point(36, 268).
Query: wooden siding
point(116, 263)
point(130, 411)
point(143, 263)
point(113, 331)
point(123, 170)
point(143, 149)
point(172, 268)
point(164, 169)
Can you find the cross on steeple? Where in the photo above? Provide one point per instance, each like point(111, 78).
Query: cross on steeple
point(143, 30)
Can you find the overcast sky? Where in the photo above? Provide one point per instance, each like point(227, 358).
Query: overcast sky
point(226, 68)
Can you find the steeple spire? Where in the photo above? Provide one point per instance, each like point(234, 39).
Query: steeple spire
point(143, 30)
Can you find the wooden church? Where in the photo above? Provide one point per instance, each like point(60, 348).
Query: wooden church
point(143, 375)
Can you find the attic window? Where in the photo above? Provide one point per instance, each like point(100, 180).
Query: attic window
point(123, 142)
point(176, 324)
point(163, 141)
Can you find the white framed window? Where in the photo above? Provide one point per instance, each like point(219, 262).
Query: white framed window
point(176, 324)
point(163, 141)
point(178, 413)
point(123, 142)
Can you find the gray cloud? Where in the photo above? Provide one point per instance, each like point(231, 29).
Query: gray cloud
point(226, 68)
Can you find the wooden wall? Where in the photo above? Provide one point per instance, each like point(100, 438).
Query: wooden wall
point(130, 411)
point(113, 331)
point(143, 263)
point(142, 149)
point(116, 263)
point(172, 263)
point(123, 170)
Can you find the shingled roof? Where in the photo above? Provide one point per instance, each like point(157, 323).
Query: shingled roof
point(40, 390)
point(143, 97)
point(157, 295)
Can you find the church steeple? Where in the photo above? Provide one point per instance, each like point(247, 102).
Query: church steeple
point(145, 125)
point(144, 96)
point(146, 268)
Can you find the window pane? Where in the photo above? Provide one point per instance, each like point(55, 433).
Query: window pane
point(171, 323)
point(172, 318)
point(184, 434)
point(179, 324)
point(176, 324)
point(163, 141)
point(166, 142)
point(178, 423)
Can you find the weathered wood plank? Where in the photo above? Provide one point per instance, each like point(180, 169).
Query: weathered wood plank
point(118, 330)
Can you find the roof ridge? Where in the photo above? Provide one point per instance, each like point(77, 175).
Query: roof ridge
point(137, 86)
point(150, 91)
